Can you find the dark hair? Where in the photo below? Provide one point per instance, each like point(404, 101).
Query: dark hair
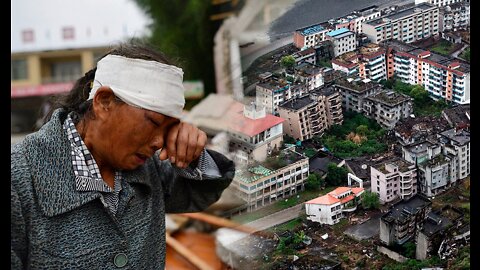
point(76, 99)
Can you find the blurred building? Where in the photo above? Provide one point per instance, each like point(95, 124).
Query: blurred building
point(53, 43)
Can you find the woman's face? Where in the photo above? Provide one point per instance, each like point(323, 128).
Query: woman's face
point(129, 135)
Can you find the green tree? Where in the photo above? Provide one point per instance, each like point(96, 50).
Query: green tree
point(362, 130)
point(419, 95)
point(314, 182)
point(370, 200)
point(336, 176)
point(183, 31)
point(287, 62)
point(410, 249)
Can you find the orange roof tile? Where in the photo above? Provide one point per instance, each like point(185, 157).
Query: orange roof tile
point(325, 199)
point(347, 199)
point(239, 123)
point(339, 190)
point(357, 190)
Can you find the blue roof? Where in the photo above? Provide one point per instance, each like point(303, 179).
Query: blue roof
point(311, 30)
point(338, 32)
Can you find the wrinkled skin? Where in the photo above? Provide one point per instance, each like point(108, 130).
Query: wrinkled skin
point(122, 137)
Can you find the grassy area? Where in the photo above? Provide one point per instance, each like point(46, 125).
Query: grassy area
point(287, 226)
point(280, 205)
point(443, 47)
point(466, 54)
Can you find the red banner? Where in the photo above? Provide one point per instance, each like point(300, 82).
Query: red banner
point(40, 90)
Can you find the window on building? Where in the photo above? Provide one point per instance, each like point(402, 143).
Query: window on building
point(19, 69)
point(68, 33)
point(28, 36)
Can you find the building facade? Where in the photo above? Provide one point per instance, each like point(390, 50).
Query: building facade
point(343, 41)
point(394, 179)
point(443, 77)
point(330, 208)
point(254, 132)
point(278, 177)
point(312, 114)
point(408, 25)
point(387, 108)
point(455, 16)
point(404, 220)
point(354, 92)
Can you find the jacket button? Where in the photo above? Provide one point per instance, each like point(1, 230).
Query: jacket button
point(120, 260)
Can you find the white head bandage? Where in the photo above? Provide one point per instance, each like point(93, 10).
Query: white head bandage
point(146, 84)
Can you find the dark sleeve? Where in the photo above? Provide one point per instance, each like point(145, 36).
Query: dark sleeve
point(18, 241)
point(183, 195)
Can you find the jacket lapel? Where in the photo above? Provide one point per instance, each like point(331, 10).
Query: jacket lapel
point(49, 157)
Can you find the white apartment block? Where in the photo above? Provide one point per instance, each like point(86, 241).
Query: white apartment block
point(441, 161)
point(455, 16)
point(456, 143)
point(313, 35)
point(354, 92)
point(309, 75)
point(330, 208)
point(253, 133)
point(270, 93)
point(387, 108)
point(310, 36)
point(278, 177)
point(443, 77)
point(407, 25)
point(343, 41)
point(438, 3)
point(394, 179)
point(368, 63)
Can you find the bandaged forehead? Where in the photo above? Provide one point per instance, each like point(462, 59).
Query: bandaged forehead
point(146, 84)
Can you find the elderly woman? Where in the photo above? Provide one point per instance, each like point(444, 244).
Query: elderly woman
point(90, 189)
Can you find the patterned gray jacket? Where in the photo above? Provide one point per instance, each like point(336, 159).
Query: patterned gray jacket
point(55, 227)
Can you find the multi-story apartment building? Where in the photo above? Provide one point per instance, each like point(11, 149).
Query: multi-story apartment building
point(313, 35)
point(387, 108)
point(310, 36)
point(343, 41)
point(441, 160)
point(271, 92)
point(333, 104)
point(438, 3)
point(408, 25)
point(393, 179)
point(312, 114)
point(280, 176)
point(443, 77)
point(253, 132)
point(367, 63)
point(309, 75)
point(305, 56)
point(304, 117)
point(455, 16)
point(456, 143)
point(330, 208)
point(354, 92)
point(404, 220)
point(415, 130)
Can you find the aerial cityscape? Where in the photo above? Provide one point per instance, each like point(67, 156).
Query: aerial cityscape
point(348, 123)
point(352, 140)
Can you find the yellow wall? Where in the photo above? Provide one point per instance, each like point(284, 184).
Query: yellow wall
point(38, 63)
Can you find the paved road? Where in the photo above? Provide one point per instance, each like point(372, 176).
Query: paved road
point(276, 218)
point(455, 54)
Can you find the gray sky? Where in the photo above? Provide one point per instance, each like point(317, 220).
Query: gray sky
point(95, 23)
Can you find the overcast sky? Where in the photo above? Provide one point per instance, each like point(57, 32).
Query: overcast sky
point(95, 23)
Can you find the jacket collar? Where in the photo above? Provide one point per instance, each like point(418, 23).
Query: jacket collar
point(48, 154)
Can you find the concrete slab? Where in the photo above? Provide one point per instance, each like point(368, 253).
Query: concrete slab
point(365, 230)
